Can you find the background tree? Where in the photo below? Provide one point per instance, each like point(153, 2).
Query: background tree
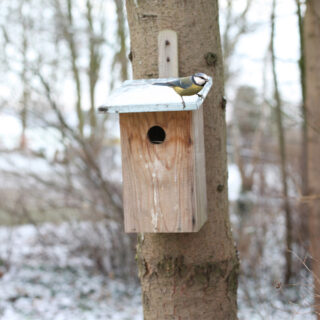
point(312, 82)
point(282, 149)
point(121, 57)
point(303, 232)
point(235, 25)
point(246, 127)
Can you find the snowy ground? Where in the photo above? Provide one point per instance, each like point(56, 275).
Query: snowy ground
point(48, 281)
point(262, 294)
point(43, 275)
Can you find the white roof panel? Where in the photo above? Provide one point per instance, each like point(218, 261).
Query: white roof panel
point(142, 96)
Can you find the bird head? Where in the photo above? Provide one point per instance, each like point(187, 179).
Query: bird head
point(200, 79)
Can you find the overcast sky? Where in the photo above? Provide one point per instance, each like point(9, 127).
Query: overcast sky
point(253, 47)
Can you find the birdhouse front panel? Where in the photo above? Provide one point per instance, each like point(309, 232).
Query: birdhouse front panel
point(163, 163)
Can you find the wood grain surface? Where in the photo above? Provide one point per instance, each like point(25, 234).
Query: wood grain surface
point(168, 54)
point(164, 184)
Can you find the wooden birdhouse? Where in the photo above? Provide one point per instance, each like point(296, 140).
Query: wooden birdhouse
point(163, 157)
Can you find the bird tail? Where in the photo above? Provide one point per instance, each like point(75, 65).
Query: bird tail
point(165, 84)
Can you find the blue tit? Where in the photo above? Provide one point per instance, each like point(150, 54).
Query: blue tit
point(187, 86)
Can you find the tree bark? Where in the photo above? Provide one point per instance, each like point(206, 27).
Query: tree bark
point(26, 93)
point(93, 68)
point(283, 156)
point(190, 275)
point(312, 65)
point(121, 56)
point(303, 235)
point(75, 69)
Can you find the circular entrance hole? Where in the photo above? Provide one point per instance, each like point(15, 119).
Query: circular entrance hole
point(156, 135)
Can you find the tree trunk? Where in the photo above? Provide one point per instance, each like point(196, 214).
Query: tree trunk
point(93, 68)
point(282, 149)
point(190, 275)
point(75, 69)
point(303, 235)
point(121, 56)
point(312, 65)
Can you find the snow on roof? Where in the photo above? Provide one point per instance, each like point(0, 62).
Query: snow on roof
point(142, 96)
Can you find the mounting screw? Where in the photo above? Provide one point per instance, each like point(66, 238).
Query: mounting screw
point(211, 58)
point(168, 59)
point(220, 188)
point(167, 42)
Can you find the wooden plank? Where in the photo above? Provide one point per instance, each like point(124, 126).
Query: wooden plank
point(200, 169)
point(168, 54)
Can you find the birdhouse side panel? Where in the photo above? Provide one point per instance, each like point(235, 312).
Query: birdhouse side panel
point(158, 176)
point(200, 169)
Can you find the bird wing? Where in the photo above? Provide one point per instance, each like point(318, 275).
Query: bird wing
point(181, 83)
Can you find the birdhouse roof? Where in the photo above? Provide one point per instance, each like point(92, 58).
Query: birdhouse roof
point(143, 96)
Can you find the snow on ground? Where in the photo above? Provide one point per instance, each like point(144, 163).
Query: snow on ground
point(261, 294)
point(42, 276)
point(44, 282)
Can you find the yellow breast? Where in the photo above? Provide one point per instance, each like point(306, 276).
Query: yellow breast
point(193, 89)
